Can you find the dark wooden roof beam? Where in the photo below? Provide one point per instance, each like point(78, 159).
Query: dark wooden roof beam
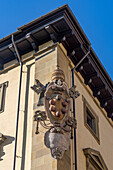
point(72, 26)
point(83, 67)
point(67, 33)
point(97, 90)
point(41, 24)
point(100, 75)
point(72, 54)
point(11, 48)
point(1, 60)
point(32, 41)
point(64, 39)
point(72, 50)
point(89, 78)
point(110, 112)
point(88, 81)
point(104, 102)
point(33, 32)
point(51, 32)
point(17, 41)
point(1, 63)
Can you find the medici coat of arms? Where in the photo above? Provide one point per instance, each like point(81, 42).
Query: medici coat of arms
point(57, 101)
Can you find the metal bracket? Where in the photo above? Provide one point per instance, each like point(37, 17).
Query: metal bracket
point(39, 116)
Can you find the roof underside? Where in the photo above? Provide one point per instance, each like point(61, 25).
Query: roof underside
point(60, 25)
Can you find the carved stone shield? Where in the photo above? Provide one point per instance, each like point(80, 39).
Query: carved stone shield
point(57, 101)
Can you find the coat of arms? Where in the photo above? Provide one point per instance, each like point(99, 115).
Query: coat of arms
point(57, 100)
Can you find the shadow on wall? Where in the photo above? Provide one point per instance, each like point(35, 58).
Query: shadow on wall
point(7, 141)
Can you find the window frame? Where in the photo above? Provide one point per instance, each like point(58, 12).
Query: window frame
point(92, 162)
point(2, 95)
point(95, 132)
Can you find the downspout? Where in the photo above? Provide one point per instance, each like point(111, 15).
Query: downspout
point(74, 114)
point(19, 93)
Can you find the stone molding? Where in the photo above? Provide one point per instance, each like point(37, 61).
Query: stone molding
point(94, 159)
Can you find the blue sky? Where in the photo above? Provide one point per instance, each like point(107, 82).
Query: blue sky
point(94, 16)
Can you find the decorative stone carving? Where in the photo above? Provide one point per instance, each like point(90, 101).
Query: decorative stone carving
point(73, 93)
point(57, 98)
point(57, 142)
point(57, 101)
point(38, 87)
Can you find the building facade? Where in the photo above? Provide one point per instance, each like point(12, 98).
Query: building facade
point(38, 54)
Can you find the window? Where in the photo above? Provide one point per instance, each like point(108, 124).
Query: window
point(91, 120)
point(94, 160)
point(2, 95)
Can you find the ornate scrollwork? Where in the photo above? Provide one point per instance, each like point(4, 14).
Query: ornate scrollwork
point(57, 98)
point(71, 122)
point(38, 87)
point(40, 116)
point(73, 93)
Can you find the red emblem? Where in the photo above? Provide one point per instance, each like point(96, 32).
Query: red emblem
point(57, 102)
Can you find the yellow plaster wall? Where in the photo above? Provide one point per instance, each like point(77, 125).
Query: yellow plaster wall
point(84, 137)
point(8, 117)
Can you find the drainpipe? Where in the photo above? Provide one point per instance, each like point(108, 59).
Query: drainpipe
point(74, 114)
point(17, 120)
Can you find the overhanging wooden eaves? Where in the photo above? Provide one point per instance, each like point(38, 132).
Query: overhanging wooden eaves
point(61, 25)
